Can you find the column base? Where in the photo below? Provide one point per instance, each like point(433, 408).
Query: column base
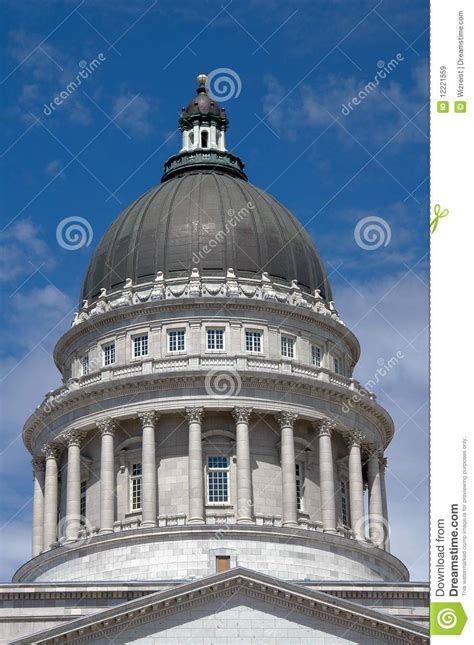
point(196, 520)
point(330, 531)
point(290, 525)
point(245, 520)
point(148, 525)
point(105, 531)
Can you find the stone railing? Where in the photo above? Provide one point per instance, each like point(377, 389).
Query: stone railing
point(197, 363)
point(213, 518)
point(195, 286)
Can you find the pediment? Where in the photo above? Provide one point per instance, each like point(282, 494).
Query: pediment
point(236, 606)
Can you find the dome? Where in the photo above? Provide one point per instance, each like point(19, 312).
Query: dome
point(180, 225)
point(195, 219)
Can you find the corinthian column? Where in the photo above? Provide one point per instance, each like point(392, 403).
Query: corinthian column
point(73, 494)
point(195, 472)
point(244, 473)
point(383, 467)
point(50, 521)
point(326, 477)
point(149, 478)
point(107, 475)
point(376, 520)
point(38, 505)
point(288, 469)
point(356, 486)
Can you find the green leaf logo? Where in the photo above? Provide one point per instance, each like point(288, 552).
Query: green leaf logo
point(447, 618)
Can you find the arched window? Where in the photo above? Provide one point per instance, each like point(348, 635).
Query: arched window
point(204, 139)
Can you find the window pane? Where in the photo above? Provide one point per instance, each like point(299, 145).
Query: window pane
point(85, 365)
point(176, 340)
point(287, 347)
point(215, 339)
point(316, 353)
point(253, 341)
point(140, 346)
point(109, 354)
point(218, 479)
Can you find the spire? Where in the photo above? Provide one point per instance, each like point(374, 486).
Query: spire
point(203, 124)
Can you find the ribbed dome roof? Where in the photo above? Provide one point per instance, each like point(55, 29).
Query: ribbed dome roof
point(172, 225)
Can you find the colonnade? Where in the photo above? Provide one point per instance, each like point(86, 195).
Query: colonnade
point(45, 504)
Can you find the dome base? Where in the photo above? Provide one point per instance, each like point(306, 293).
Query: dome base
point(181, 553)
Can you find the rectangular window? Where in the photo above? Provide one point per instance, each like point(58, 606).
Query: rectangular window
point(136, 487)
point(253, 341)
point(83, 502)
point(287, 347)
point(217, 480)
point(316, 355)
point(299, 486)
point(337, 365)
point(345, 514)
point(109, 354)
point(176, 340)
point(140, 346)
point(85, 365)
point(222, 563)
point(215, 339)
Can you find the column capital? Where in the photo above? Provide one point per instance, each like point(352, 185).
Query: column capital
point(325, 427)
point(286, 419)
point(38, 464)
point(51, 451)
point(148, 418)
point(194, 415)
point(354, 438)
point(73, 438)
point(241, 414)
point(106, 426)
point(372, 450)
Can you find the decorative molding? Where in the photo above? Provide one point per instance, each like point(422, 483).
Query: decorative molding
point(38, 464)
point(73, 437)
point(193, 286)
point(354, 438)
point(194, 415)
point(106, 426)
point(286, 419)
point(325, 428)
point(51, 451)
point(242, 414)
point(148, 418)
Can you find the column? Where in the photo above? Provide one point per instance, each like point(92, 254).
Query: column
point(195, 470)
point(73, 492)
point(383, 467)
point(107, 475)
point(50, 519)
point(288, 470)
point(149, 474)
point(38, 505)
point(326, 477)
point(244, 472)
point(376, 521)
point(356, 486)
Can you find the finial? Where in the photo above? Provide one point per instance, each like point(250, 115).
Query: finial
point(201, 81)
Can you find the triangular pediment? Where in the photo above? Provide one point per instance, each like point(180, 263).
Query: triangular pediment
point(236, 606)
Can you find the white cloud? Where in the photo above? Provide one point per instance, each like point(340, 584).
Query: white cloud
point(22, 249)
point(133, 113)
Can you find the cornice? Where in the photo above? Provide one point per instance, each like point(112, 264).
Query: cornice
point(134, 385)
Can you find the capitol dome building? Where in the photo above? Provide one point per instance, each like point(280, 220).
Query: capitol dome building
point(210, 471)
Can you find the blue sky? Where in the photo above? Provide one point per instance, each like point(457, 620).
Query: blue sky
point(298, 64)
